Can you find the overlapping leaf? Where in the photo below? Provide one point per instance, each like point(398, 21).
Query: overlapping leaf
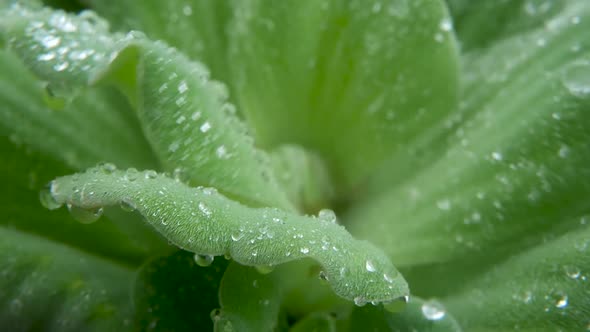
point(186, 117)
point(512, 174)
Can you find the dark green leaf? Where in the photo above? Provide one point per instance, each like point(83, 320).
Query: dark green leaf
point(51, 287)
point(173, 293)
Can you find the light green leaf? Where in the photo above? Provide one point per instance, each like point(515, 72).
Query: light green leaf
point(90, 127)
point(185, 116)
point(202, 221)
point(418, 315)
point(303, 176)
point(543, 289)
point(196, 27)
point(359, 82)
point(51, 287)
point(173, 293)
point(512, 173)
point(480, 23)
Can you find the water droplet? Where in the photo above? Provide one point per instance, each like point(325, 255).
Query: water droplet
point(433, 310)
point(85, 216)
point(576, 78)
point(180, 119)
point(497, 156)
point(182, 87)
point(446, 25)
point(369, 266)
point(323, 276)
point(564, 151)
point(107, 168)
point(196, 116)
point(204, 260)
point(237, 236)
point(360, 301)
point(61, 66)
point(444, 204)
point(397, 305)
point(126, 206)
point(204, 209)
point(150, 174)
point(131, 174)
point(187, 10)
point(50, 41)
point(572, 271)
point(304, 250)
point(46, 56)
point(327, 215)
point(205, 127)
point(47, 199)
point(264, 269)
point(221, 152)
point(387, 278)
point(561, 301)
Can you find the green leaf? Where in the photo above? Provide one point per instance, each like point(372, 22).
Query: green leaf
point(315, 323)
point(202, 221)
point(48, 286)
point(195, 27)
point(86, 128)
point(481, 23)
point(185, 116)
point(512, 173)
point(173, 293)
point(418, 315)
point(23, 173)
point(250, 301)
point(543, 289)
point(358, 82)
point(303, 176)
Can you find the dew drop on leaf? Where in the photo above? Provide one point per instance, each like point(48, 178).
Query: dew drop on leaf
point(204, 260)
point(360, 301)
point(126, 206)
point(576, 79)
point(327, 215)
point(369, 266)
point(433, 310)
point(572, 271)
point(85, 216)
point(131, 174)
point(107, 168)
point(47, 199)
point(151, 174)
